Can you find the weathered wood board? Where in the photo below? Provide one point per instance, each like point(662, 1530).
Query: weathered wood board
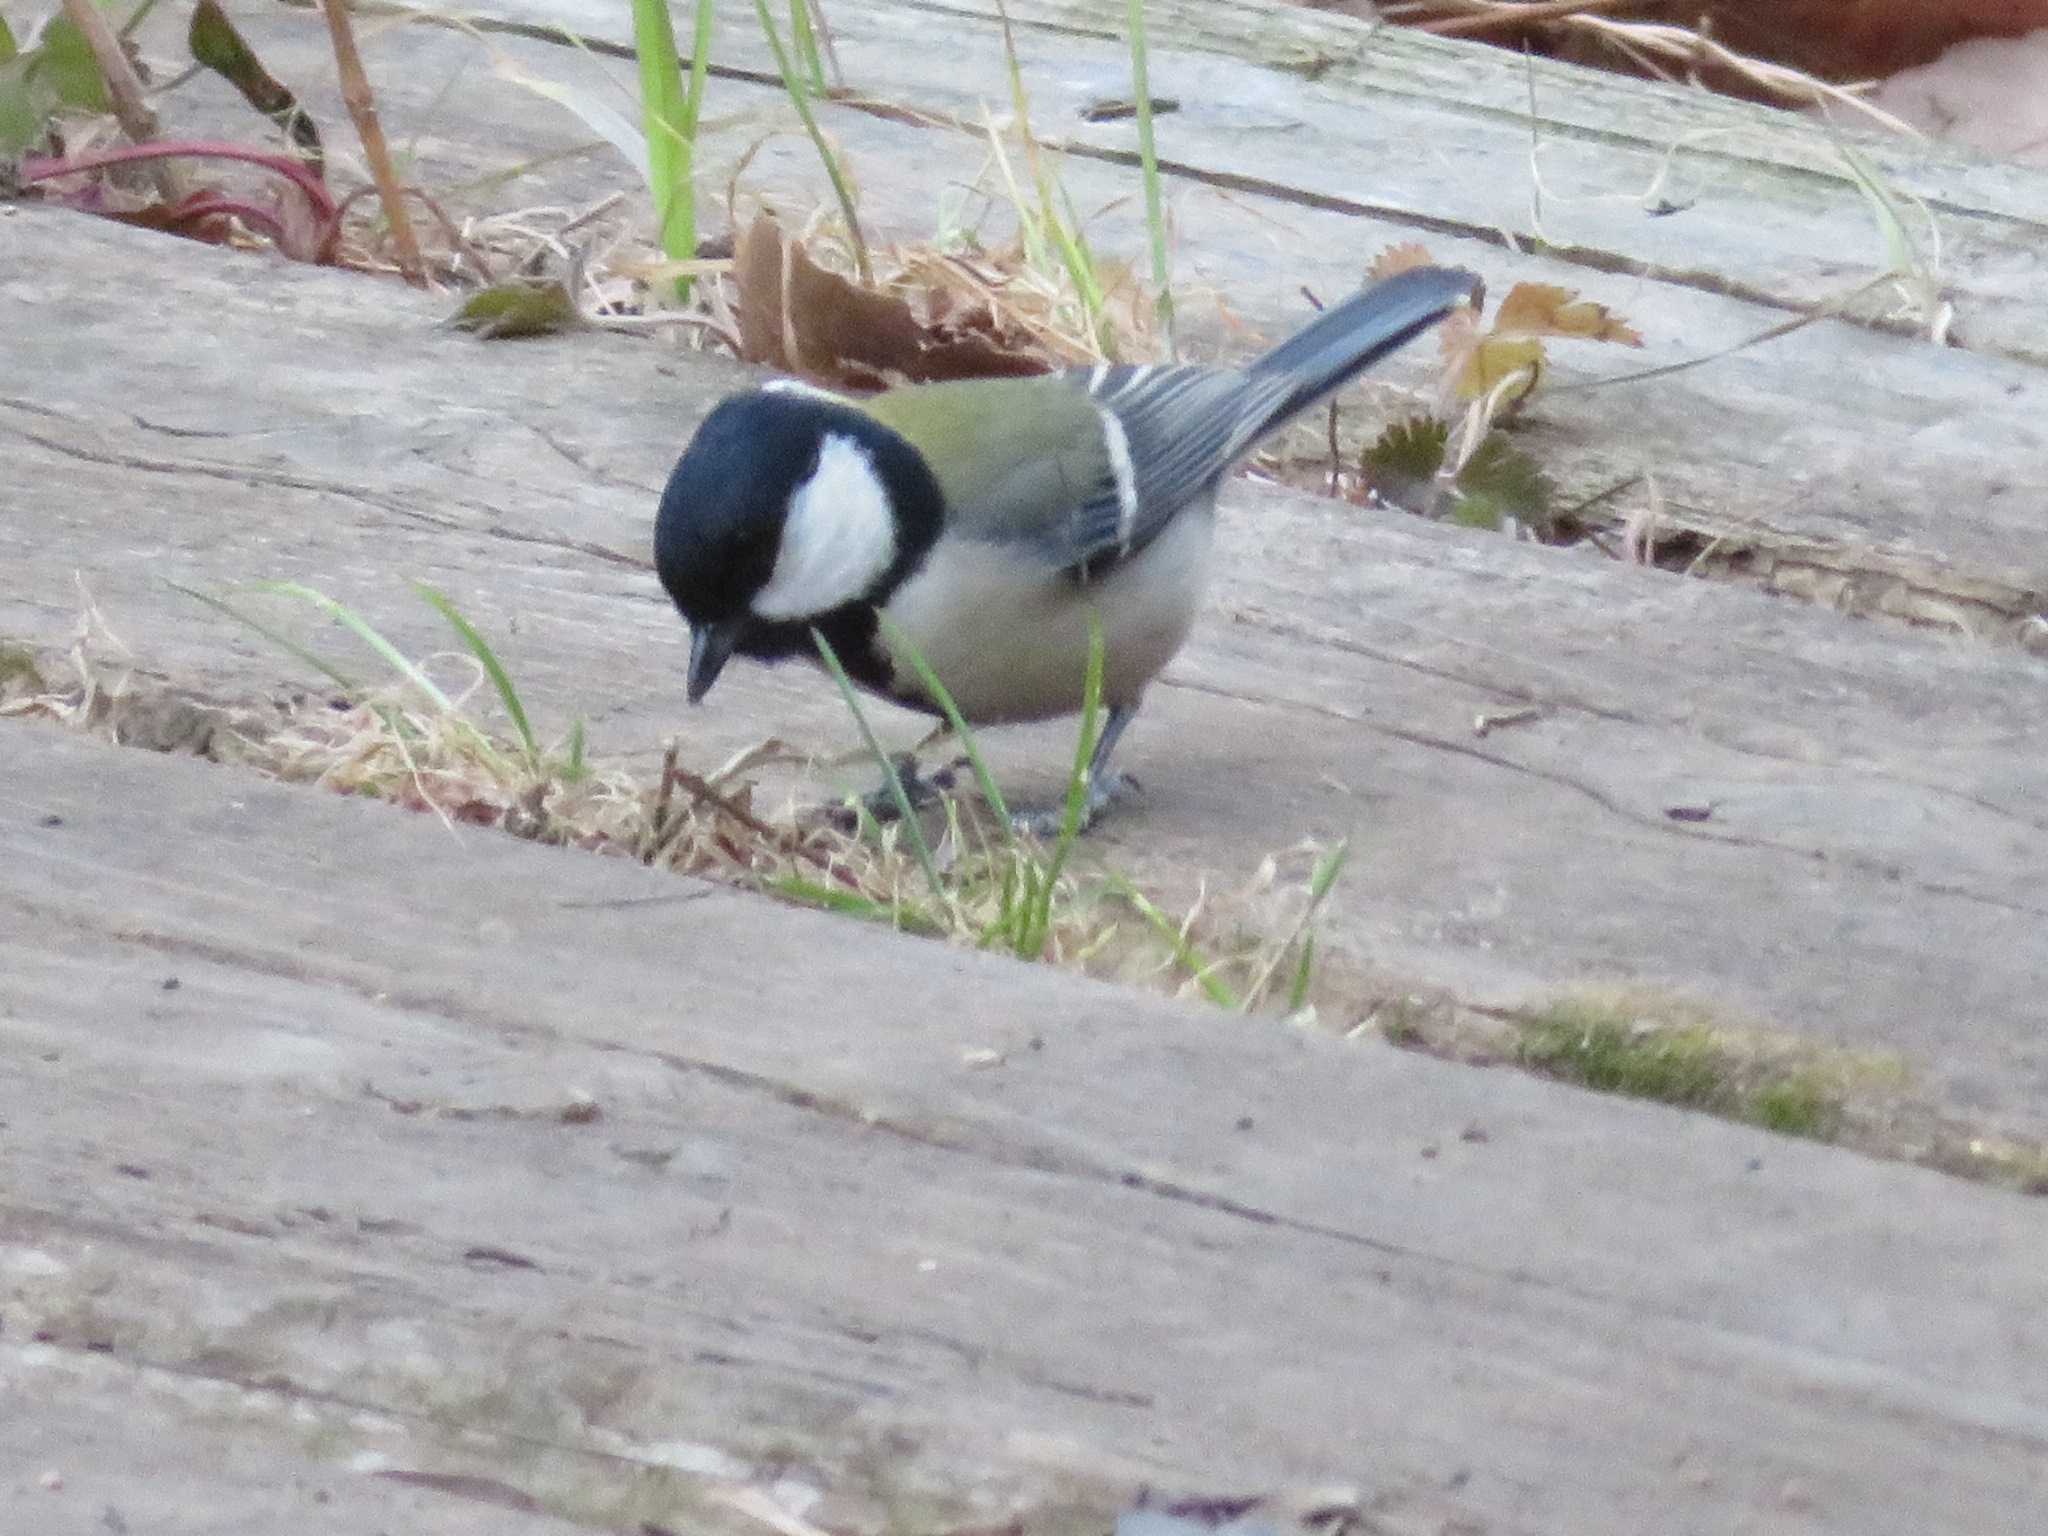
point(1871, 874)
point(1865, 470)
point(614, 1189)
point(917, 1239)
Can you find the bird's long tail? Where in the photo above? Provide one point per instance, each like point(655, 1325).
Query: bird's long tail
point(1349, 337)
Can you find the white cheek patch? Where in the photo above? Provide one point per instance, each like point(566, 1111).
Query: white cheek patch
point(839, 537)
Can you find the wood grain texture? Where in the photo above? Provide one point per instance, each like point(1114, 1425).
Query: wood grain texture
point(563, 1195)
point(1870, 471)
point(614, 1189)
point(1870, 875)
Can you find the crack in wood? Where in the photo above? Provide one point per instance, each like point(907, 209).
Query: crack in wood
point(1565, 703)
point(1656, 822)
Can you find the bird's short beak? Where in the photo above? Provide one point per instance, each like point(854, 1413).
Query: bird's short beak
point(710, 649)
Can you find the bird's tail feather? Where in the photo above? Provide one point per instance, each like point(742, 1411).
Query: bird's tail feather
point(1351, 336)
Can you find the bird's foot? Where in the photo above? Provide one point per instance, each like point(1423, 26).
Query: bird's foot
point(880, 806)
point(1104, 790)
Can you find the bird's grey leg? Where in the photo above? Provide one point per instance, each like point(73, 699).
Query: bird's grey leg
point(920, 790)
point(1103, 788)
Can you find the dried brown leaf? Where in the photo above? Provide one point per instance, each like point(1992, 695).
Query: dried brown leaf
point(804, 318)
point(1405, 257)
point(1544, 309)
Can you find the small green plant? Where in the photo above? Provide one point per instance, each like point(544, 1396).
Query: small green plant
point(1616, 1054)
point(1148, 159)
point(1053, 226)
point(669, 111)
point(1794, 1106)
point(56, 75)
point(1026, 882)
point(800, 97)
point(530, 761)
point(418, 745)
point(1611, 1050)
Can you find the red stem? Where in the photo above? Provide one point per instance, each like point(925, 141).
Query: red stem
point(35, 169)
point(207, 204)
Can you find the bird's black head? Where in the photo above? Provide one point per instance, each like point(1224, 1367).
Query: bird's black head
point(789, 507)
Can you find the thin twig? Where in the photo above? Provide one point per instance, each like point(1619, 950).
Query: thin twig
point(124, 91)
point(362, 107)
point(1514, 15)
point(703, 792)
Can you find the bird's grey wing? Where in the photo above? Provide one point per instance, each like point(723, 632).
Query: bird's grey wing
point(1175, 431)
point(1086, 475)
point(1172, 433)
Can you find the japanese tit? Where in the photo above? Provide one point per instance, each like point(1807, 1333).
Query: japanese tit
point(990, 518)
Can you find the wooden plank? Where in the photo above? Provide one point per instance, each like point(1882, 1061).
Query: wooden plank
point(1871, 472)
point(1870, 876)
point(439, 1152)
point(97, 1444)
point(1313, 106)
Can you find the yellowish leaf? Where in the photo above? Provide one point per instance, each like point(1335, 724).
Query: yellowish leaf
point(1404, 257)
point(1544, 309)
point(1498, 358)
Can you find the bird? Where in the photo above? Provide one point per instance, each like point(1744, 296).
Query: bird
point(994, 522)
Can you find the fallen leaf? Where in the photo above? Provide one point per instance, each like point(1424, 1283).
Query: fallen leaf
point(1544, 309)
point(804, 318)
point(1497, 359)
point(1405, 257)
point(505, 310)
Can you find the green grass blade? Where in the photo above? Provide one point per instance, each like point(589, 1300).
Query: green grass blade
point(1327, 869)
point(1044, 884)
point(936, 691)
point(359, 626)
point(276, 637)
point(1084, 746)
point(829, 898)
point(1304, 969)
point(576, 767)
point(836, 898)
point(793, 86)
point(1048, 224)
point(1185, 954)
point(1148, 159)
point(913, 829)
point(700, 69)
point(1080, 263)
point(805, 40)
point(493, 669)
point(664, 112)
point(1320, 881)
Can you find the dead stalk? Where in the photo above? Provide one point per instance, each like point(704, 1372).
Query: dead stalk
point(362, 107)
point(124, 91)
point(1495, 17)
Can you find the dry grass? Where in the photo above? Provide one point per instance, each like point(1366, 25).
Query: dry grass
point(418, 746)
point(1676, 53)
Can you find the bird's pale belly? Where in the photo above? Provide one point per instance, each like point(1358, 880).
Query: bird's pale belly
point(1009, 639)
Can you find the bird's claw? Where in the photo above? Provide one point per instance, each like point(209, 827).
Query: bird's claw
point(880, 805)
point(1047, 822)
